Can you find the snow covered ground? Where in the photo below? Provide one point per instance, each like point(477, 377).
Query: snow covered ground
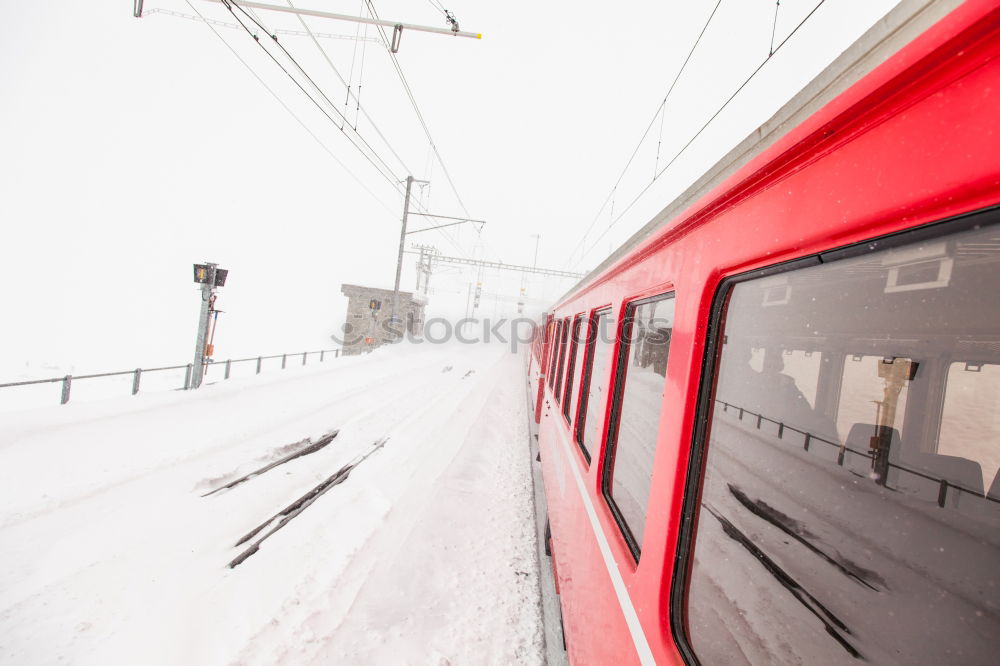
point(426, 554)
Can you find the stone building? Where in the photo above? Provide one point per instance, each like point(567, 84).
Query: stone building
point(366, 325)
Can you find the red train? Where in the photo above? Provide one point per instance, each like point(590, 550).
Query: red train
point(769, 425)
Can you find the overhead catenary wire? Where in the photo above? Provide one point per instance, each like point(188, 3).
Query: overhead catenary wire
point(290, 112)
point(361, 77)
point(354, 58)
point(684, 148)
point(661, 112)
point(394, 183)
point(385, 171)
point(391, 177)
point(423, 124)
point(420, 115)
point(225, 24)
point(774, 25)
point(326, 57)
point(340, 77)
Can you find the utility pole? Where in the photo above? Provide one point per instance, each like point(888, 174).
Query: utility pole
point(209, 276)
point(425, 264)
point(410, 180)
point(399, 259)
point(524, 277)
point(479, 291)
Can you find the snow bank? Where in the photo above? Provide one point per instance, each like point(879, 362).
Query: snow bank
point(109, 553)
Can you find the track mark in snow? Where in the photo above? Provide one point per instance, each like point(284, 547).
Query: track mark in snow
point(298, 506)
point(794, 529)
point(306, 450)
point(830, 621)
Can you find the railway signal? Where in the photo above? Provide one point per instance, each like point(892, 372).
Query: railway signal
point(210, 277)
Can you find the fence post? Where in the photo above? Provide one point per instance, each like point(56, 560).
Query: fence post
point(805, 446)
point(321, 353)
point(942, 493)
point(187, 376)
point(135, 380)
point(258, 364)
point(229, 363)
point(66, 383)
point(284, 357)
point(781, 430)
point(336, 353)
point(304, 357)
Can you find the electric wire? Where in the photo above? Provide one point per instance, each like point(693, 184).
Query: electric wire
point(333, 67)
point(420, 116)
point(392, 182)
point(354, 58)
point(774, 25)
point(225, 24)
point(423, 123)
point(392, 178)
point(361, 77)
point(699, 132)
point(660, 111)
point(290, 112)
point(395, 180)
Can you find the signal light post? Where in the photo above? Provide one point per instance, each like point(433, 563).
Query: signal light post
point(209, 276)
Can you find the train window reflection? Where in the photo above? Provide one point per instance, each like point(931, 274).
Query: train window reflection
point(970, 424)
point(563, 339)
point(641, 374)
point(594, 393)
point(863, 394)
point(849, 504)
point(577, 338)
point(557, 328)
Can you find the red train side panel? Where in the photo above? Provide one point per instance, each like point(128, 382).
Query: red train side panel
point(915, 141)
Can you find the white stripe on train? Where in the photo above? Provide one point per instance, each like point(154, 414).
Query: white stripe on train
point(628, 610)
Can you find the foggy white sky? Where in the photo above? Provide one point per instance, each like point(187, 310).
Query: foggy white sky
point(133, 148)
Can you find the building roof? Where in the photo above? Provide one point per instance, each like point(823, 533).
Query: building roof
point(359, 291)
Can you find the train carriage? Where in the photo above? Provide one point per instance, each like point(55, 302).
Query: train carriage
point(769, 425)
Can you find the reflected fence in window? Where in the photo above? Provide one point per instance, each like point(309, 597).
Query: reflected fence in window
point(137, 375)
point(809, 438)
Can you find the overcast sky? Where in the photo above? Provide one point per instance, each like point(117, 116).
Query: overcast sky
point(133, 148)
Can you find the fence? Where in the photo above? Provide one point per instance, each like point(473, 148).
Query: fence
point(137, 374)
point(808, 438)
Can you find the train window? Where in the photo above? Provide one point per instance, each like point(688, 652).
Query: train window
point(635, 416)
point(594, 389)
point(554, 351)
point(849, 507)
point(563, 340)
point(579, 330)
point(969, 427)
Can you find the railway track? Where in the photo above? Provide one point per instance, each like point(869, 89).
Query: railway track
point(283, 517)
point(321, 443)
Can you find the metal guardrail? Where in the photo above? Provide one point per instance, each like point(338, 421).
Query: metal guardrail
point(943, 484)
point(67, 380)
